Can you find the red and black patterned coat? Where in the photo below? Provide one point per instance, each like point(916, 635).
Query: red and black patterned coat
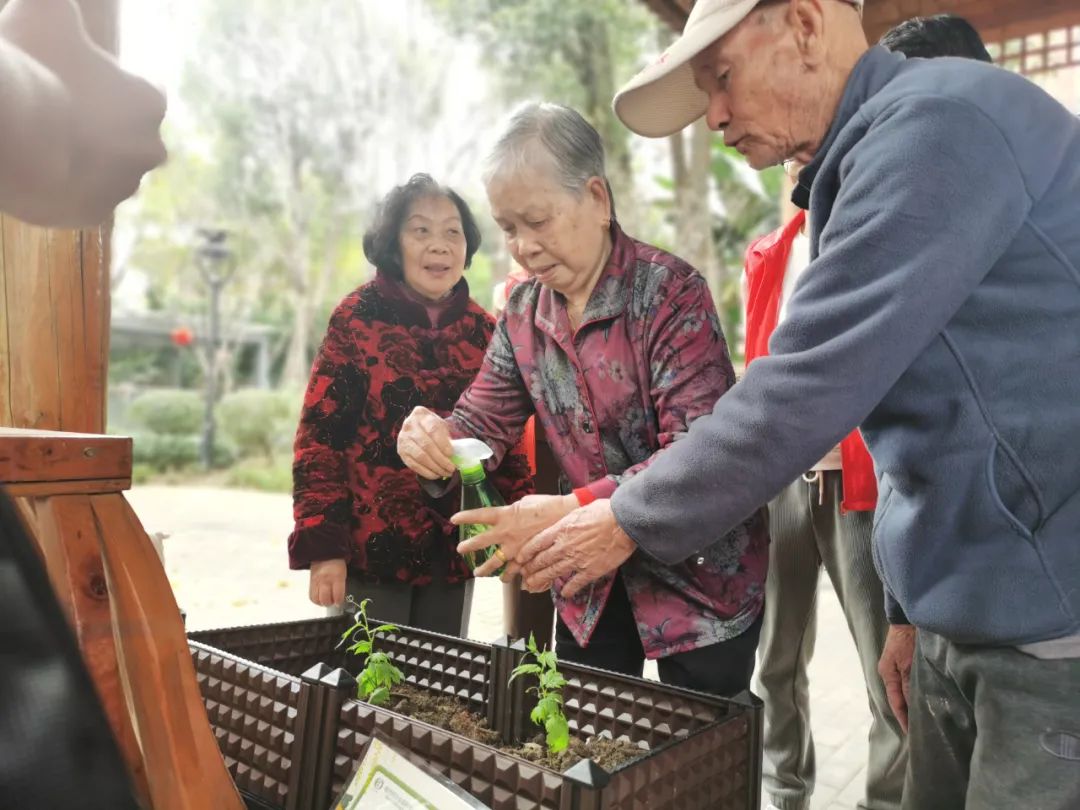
point(353, 498)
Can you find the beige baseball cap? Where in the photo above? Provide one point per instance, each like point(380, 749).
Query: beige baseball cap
point(663, 98)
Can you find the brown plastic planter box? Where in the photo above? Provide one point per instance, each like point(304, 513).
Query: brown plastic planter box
point(285, 714)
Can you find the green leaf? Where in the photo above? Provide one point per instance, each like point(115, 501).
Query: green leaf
point(532, 644)
point(379, 696)
point(558, 733)
point(549, 706)
point(537, 715)
point(552, 680)
point(384, 628)
point(547, 659)
point(525, 669)
point(360, 648)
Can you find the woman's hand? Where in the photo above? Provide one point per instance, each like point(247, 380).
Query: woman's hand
point(327, 584)
point(424, 445)
point(585, 545)
point(512, 527)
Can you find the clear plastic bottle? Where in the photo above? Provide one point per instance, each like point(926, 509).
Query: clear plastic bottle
point(476, 493)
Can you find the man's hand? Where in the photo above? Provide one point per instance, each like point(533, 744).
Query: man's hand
point(512, 527)
point(895, 669)
point(82, 131)
point(424, 445)
point(585, 545)
point(327, 584)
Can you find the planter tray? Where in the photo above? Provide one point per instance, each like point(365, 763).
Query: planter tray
point(281, 700)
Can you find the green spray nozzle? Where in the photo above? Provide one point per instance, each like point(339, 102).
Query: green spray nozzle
point(468, 456)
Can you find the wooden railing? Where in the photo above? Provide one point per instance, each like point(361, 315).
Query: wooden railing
point(110, 582)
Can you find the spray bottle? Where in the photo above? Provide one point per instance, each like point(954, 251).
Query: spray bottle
point(476, 492)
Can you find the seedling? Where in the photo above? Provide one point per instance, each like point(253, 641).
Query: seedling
point(547, 713)
point(379, 675)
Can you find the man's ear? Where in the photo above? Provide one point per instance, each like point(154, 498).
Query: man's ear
point(808, 21)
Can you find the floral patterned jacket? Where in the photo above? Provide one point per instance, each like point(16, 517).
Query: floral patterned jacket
point(648, 359)
point(353, 498)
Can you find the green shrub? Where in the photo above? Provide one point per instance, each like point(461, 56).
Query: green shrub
point(168, 412)
point(162, 452)
point(259, 422)
point(142, 473)
point(265, 476)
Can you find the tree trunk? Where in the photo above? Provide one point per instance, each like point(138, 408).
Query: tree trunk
point(596, 71)
point(297, 361)
point(691, 162)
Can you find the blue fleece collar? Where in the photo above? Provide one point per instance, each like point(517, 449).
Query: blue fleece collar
point(877, 67)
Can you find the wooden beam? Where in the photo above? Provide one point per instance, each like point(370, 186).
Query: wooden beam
point(185, 766)
point(41, 489)
point(54, 306)
point(34, 456)
point(995, 19)
point(67, 537)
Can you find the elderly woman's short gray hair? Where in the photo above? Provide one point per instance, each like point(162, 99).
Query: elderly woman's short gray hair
point(559, 134)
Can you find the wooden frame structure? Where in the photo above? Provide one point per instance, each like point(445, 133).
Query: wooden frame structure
point(54, 343)
point(1029, 36)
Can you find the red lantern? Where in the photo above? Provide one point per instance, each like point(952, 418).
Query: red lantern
point(182, 336)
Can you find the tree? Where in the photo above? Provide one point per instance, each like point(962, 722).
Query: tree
point(574, 52)
point(751, 207)
point(274, 81)
point(293, 119)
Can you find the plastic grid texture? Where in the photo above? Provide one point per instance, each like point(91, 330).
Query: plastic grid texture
point(446, 664)
point(253, 712)
point(702, 751)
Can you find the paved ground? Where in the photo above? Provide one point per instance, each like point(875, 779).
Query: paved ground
point(225, 557)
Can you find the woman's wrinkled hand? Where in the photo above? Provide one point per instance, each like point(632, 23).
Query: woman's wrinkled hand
point(424, 445)
point(512, 527)
point(585, 545)
point(327, 584)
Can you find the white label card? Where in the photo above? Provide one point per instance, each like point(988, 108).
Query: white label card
point(386, 780)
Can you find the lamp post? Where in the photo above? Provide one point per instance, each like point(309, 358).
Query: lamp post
point(214, 260)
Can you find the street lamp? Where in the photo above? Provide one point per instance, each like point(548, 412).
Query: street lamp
point(214, 260)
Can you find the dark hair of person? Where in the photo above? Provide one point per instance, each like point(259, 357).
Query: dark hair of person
point(382, 244)
point(940, 35)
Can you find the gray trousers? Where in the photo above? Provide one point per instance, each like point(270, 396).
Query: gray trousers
point(991, 728)
point(808, 531)
point(438, 607)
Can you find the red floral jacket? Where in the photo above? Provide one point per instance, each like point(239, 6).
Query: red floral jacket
point(648, 359)
point(353, 498)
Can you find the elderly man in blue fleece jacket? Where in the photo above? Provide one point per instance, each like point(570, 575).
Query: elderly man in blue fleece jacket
point(941, 314)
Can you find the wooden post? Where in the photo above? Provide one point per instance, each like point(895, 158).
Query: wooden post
point(54, 307)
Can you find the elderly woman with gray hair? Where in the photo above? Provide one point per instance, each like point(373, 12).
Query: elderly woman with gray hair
point(616, 347)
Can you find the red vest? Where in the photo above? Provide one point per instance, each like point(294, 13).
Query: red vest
point(766, 264)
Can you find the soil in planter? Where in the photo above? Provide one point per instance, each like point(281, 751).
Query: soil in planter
point(449, 713)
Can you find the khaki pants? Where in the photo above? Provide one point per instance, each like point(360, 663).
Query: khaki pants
point(808, 531)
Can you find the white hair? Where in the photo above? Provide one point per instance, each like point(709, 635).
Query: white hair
point(554, 137)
